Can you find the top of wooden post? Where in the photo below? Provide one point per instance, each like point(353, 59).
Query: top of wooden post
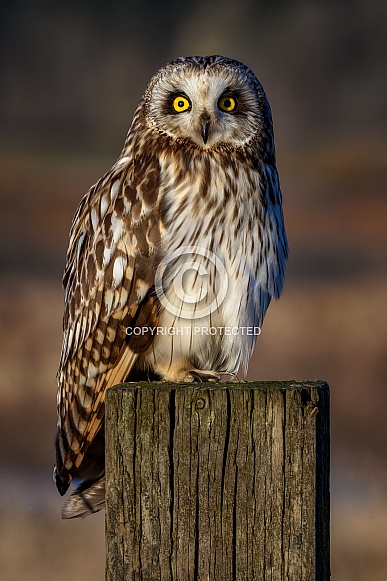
point(264, 385)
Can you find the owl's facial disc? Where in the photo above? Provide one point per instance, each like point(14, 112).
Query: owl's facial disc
point(208, 107)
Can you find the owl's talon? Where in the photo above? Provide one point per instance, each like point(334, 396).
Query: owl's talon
point(204, 376)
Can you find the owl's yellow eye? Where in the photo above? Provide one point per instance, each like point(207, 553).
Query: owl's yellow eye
point(227, 104)
point(181, 104)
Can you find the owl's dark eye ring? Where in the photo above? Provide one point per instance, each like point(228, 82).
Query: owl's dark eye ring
point(180, 104)
point(227, 104)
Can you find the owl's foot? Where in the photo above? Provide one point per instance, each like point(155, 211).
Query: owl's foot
point(177, 374)
point(204, 375)
point(201, 376)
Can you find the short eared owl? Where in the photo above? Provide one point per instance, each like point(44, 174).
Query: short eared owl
point(174, 255)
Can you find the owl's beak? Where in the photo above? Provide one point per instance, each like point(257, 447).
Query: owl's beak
point(205, 126)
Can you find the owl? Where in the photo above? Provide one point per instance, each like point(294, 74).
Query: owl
point(174, 255)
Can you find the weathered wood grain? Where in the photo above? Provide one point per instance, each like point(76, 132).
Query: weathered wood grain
point(217, 482)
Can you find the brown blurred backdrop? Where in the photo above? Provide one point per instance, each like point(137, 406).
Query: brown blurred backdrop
point(71, 76)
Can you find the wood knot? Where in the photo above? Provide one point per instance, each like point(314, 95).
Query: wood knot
point(200, 404)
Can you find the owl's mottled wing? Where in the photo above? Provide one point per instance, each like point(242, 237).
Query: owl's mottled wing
point(108, 283)
point(274, 249)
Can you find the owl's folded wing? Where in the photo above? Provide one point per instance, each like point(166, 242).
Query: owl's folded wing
point(108, 282)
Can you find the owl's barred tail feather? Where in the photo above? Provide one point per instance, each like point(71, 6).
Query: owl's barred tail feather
point(85, 502)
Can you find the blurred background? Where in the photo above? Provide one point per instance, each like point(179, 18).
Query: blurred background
point(71, 76)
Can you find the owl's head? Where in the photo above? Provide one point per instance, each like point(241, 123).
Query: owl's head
point(210, 101)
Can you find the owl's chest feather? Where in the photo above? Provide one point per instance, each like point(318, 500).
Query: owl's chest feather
point(210, 256)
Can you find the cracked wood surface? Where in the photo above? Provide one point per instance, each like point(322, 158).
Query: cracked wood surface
point(217, 482)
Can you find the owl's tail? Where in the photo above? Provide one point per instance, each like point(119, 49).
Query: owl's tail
point(85, 502)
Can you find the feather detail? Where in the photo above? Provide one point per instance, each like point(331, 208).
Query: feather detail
point(103, 294)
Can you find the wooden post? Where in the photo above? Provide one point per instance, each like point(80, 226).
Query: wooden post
point(217, 482)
